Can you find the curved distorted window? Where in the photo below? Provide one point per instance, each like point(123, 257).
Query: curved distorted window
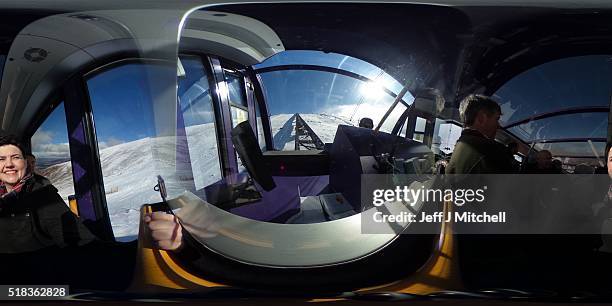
point(561, 106)
point(335, 90)
point(580, 81)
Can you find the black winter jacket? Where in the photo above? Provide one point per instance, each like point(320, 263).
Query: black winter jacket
point(43, 242)
point(37, 217)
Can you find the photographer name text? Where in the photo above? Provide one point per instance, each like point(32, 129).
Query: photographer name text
point(438, 217)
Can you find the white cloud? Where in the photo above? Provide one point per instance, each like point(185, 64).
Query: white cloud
point(42, 137)
point(51, 150)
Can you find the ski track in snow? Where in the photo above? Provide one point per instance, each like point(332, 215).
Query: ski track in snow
point(130, 169)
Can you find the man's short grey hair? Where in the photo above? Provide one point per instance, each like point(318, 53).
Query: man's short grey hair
point(472, 104)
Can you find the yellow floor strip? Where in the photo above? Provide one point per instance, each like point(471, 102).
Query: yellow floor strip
point(440, 272)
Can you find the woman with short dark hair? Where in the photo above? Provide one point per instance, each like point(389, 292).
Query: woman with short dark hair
point(30, 207)
point(42, 241)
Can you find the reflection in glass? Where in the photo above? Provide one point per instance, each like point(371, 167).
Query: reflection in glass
point(238, 115)
point(235, 85)
point(197, 110)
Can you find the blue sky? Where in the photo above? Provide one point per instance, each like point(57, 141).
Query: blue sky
point(121, 101)
point(56, 123)
point(567, 83)
point(571, 82)
point(122, 112)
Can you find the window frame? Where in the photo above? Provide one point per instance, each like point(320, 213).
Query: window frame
point(258, 93)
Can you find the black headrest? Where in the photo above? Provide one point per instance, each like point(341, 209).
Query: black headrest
point(248, 150)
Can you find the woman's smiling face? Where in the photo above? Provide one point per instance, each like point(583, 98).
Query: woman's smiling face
point(12, 165)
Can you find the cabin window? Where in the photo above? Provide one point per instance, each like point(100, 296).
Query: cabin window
point(325, 90)
point(199, 119)
point(446, 135)
point(237, 99)
point(561, 106)
point(121, 99)
point(419, 129)
point(238, 104)
point(50, 147)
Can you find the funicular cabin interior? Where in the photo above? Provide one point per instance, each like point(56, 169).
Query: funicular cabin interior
point(252, 111)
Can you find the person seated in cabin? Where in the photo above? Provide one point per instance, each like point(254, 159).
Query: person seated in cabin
point(31, 208)
point(476, 151)
point(366, 123)
point(543, 161)
point(543, 164)
point(43, 242)
point(557, 165)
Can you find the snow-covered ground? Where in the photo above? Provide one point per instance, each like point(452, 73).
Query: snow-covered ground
point(130, 169)
point(324, 125)
point(130, 173)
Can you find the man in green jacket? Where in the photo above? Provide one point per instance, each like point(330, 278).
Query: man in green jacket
point(483, 258)
point(476, 151)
